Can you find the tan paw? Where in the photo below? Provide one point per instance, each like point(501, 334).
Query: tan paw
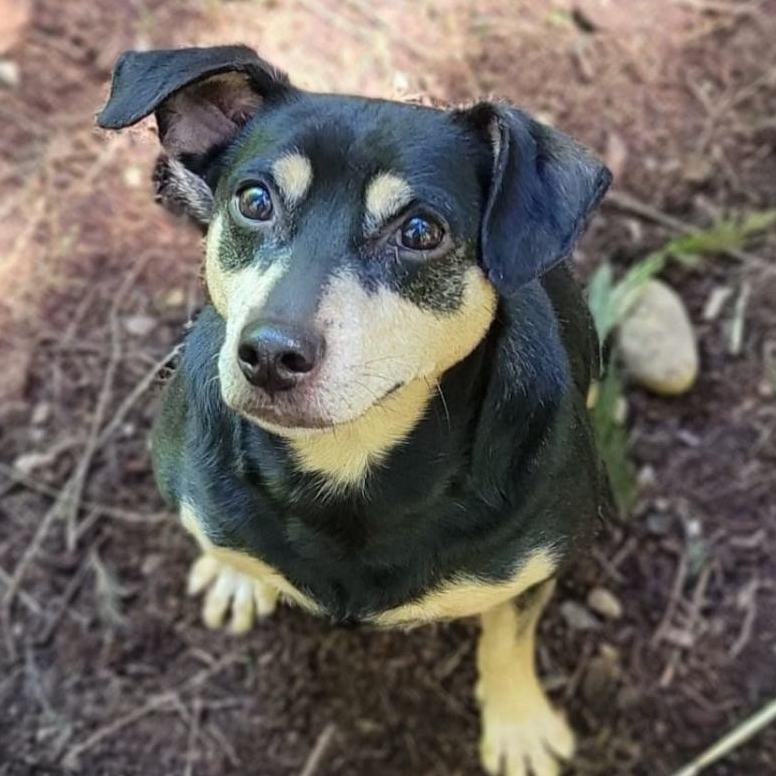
point(229, 591)
point(532, 739)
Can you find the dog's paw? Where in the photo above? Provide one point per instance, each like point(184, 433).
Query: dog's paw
point(527, 740)
point(229, 591)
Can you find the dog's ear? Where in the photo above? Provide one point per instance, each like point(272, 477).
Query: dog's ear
point(541, 190)
point(202, 98)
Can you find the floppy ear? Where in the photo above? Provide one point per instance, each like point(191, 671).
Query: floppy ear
point(202, 98)
point(542, 188)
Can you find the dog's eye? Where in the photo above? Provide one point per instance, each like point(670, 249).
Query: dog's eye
point(421, 233)
point(255, 203)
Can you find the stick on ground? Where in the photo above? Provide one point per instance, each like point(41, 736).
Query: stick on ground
point(733, 739)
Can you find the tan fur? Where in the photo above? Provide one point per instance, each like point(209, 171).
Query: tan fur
point(238, 296)
point(468, 597)
point(383, 339)
point(215, 277)
point(386, 194)
point(243, 563)
point(346, 454)
point(521, 732)
point(293, 174)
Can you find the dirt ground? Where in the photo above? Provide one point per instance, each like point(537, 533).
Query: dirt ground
point(105, 667)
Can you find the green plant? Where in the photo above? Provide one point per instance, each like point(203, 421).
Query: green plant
point(610, 301)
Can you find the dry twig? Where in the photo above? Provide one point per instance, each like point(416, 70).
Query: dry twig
point(318, 752)
point(733, 739)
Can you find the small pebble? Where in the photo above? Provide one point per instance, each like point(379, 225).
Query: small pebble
point(139, 325)
point(175, 298)
point(659, 523)
point(647, 476)
point(9, 74)
point(133, 176)
point(41, 413)
point(605, 603)
point(578, 617)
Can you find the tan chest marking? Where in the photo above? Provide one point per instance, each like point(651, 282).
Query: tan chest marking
point(467, 597)
point(245, 564)
point(345, 455)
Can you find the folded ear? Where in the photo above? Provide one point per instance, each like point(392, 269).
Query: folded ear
point(202, 98)
point(542, 188)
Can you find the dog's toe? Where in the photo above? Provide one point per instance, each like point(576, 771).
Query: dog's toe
point(229, 593)
point(529, 741)
point(266, 598)
point(202, 573)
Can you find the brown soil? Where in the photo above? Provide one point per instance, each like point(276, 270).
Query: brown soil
point(105, 667)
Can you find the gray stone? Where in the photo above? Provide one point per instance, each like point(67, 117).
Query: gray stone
point(658, 343)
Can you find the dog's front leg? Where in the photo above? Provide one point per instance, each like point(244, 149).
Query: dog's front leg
point(521, 732)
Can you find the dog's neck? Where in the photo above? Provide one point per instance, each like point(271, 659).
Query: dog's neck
point(345, 455)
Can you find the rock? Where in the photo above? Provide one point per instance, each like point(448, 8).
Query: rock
point(647, 476)
point(605, 603)
point(578, 617)
point(175, 298)
point(26, 463)
point(41, 413)
point(9, 74)
point(697, 169)
point(658, 343)
point(139, 325)
point(659, 523)
point(133, 176)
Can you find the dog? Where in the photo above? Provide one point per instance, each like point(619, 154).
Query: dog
point(380, 414)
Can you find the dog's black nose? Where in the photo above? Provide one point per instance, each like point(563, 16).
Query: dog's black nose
point(277, 356)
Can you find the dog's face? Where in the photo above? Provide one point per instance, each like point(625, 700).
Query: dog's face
point(342, 254)
point(354, 246)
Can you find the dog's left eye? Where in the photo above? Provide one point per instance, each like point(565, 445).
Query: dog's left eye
point(254, 202)
point(421, 233)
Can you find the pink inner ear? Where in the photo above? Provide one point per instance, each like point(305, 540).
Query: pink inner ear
point(206, 114)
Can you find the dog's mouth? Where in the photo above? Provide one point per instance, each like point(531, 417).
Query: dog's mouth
point(282, 415)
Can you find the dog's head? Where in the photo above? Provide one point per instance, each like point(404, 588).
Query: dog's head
point(354, 246)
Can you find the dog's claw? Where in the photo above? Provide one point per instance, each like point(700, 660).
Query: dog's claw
point(228, 591)
point(532, 741)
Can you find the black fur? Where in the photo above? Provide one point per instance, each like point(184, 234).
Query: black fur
point(544, 187)
point(506, 463)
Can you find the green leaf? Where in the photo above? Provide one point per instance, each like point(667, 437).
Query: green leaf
point(613, 441)
point(726, 235)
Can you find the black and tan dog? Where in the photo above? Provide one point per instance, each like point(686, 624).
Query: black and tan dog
point(380, 415)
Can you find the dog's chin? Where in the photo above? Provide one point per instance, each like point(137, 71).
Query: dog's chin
point(288, 421)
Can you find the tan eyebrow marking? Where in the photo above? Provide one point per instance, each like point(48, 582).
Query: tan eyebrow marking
point(293, 175)
point(386, 194)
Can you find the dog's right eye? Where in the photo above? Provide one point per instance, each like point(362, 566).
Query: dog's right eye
point(254, 202)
